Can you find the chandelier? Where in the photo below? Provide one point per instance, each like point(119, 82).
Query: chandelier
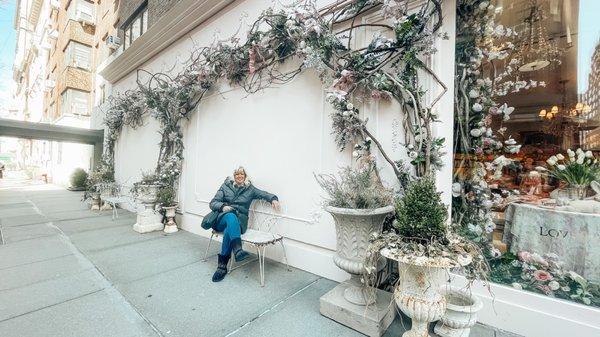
point(536, 49)
point(578, 113)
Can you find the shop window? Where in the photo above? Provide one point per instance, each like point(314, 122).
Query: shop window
point(528, 142)
point(75, 102)
point(78, 55)
point(135, 26)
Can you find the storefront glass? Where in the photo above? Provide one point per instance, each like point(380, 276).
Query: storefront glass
point(528, 142)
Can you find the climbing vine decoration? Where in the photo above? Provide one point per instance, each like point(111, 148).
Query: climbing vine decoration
point(390, 66)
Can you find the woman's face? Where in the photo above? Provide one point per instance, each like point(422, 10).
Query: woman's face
point(239, 177)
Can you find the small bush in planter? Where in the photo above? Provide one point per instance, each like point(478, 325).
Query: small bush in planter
point(148, 178)
point(78, 178)
point(356, 188)
point(420, 213)
point(166, 196)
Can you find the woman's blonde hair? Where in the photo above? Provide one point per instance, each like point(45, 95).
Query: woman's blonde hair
point(241, 169)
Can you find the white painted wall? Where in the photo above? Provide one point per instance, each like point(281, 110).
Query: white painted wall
point(282, 135)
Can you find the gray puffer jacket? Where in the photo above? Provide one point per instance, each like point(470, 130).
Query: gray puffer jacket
point(239, 198)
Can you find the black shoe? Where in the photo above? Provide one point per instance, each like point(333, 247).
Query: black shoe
point(238, 252)
point(221, 271)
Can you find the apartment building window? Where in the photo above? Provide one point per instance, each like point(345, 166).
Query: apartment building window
point(75, 102)
point(78, 55)
point(136, 26)
point(82, 10)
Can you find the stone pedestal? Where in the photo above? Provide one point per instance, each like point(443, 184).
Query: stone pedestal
point(148, 221)
point(372, 320)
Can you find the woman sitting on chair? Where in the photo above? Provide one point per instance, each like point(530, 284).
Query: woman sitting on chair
point(229, 215)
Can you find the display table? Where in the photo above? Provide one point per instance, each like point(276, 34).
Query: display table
point(574, 237)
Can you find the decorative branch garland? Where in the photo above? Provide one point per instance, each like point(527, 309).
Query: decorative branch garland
point(387, 67)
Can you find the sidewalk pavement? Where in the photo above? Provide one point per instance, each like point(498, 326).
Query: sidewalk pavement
point(69, 271)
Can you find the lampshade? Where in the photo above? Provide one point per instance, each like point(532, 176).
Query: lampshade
point(543, 113)
point(579, 106)
point(554, 109)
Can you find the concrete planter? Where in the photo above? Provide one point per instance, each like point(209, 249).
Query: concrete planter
point(353, 228)
point(171, 226)
point(418, 295)
point(148, 220)
point(461, 314)
point(147, 194)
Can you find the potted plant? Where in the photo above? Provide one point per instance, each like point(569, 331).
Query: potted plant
point(359, 204)
point(146, 189)
point(577, 169)
point(93, 185)
point(166, 199)
point(425, 249)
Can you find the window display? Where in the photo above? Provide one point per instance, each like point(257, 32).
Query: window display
point(527, 135)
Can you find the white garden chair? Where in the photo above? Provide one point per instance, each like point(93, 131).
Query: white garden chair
point(261, 221)
point(111, 194)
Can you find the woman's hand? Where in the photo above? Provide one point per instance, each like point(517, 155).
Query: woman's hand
point(227, 209)
point(276, 205)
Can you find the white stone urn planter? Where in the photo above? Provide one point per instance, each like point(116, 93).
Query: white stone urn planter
point(461, 313)
point(171, 226)
point(418, 294)
point(353, 228)
point(148, 220)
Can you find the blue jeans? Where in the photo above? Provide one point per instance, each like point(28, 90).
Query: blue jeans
point(230, 226)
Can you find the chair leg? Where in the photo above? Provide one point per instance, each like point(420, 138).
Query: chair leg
point(261, 264)
point(287, 265)
point(208, 247)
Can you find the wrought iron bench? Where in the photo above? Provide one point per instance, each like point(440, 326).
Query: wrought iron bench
point(261, 221)
point(110, 194)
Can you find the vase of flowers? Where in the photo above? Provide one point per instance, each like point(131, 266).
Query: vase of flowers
point(425, 249)
point(359, 205)
point(577, 169)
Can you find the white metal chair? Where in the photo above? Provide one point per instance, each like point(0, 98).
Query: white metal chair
point(110, 193)
point(261, 220)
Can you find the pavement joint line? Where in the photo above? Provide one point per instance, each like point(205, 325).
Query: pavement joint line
point(273, 307)
point(52, 305)
point(33, 262)
point(105, 282)
point(121, 245)
point(49, 279)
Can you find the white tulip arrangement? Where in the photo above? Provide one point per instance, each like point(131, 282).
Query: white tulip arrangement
point(578, 168)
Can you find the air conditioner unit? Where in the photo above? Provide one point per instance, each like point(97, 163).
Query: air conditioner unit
point(113, 41)
point(55, 4)
point(84, 17)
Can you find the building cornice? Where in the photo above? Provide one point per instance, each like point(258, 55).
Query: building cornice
point(180, 20)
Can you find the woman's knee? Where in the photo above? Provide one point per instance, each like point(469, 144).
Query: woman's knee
point(231, 218)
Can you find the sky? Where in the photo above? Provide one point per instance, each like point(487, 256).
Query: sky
point(7, 48)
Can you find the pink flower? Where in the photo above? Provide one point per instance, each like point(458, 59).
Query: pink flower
point(524, 256)
point(542, 276)
point(545, 289)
